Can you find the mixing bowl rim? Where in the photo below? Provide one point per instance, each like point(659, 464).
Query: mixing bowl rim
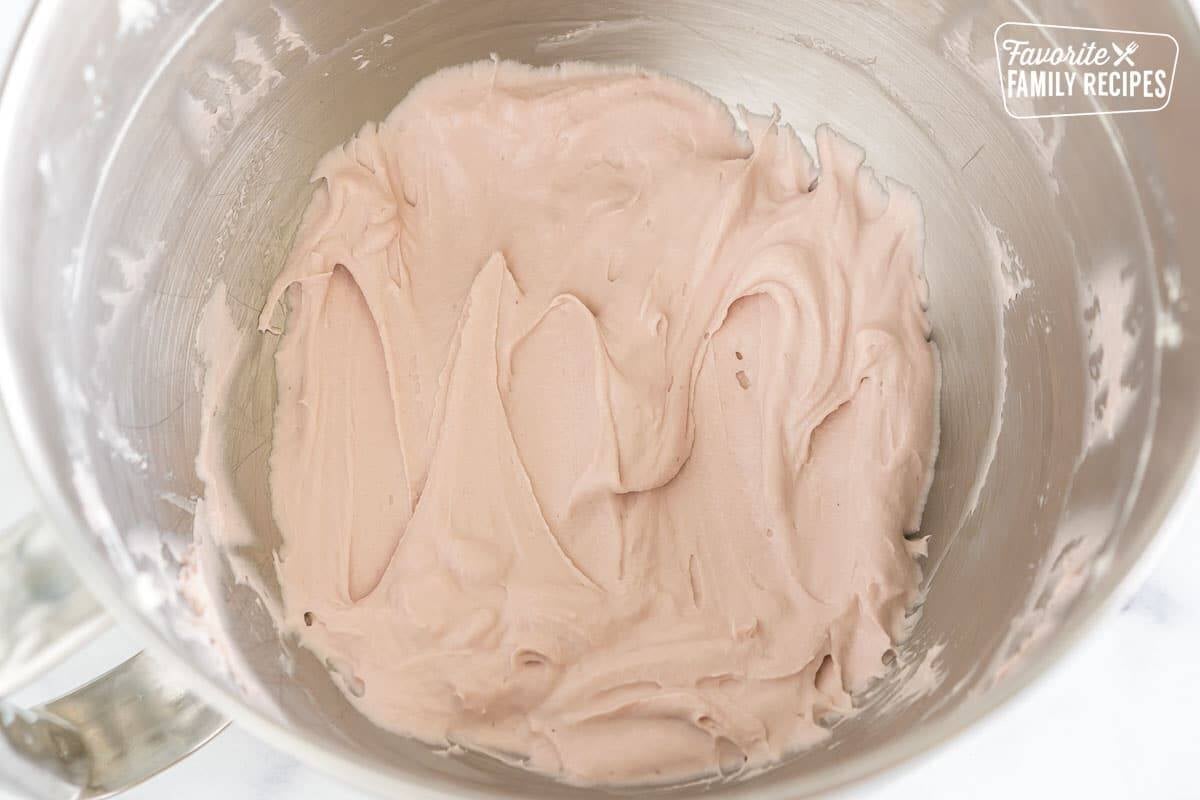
point(339, 761)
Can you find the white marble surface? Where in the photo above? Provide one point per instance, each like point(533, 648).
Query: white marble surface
point(1116, 719)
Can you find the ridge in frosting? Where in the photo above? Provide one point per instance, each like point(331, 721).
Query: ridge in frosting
point(600, 423)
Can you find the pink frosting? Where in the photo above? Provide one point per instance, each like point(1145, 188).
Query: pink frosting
point(601, 422)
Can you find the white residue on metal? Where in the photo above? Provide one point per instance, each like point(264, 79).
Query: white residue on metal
point(1047, 139)
point(289, 37)
point(1168, 332)
point(1013, 277)
point(76, 423)
point(88, 73)
point(1112, 336)
point(1173, 283)
point(198, 122)
point(585, 32)
point(96, 515)
point(253, 74)
point(221, 96)
point(136, 16)
point(185, 504)
point(109, 430)
point(135, 267)
point(157, 567)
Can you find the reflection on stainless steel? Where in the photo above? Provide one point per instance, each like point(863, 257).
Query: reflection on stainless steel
point(149, 152)
point(41, 756)
point(46, 611)
point(133, 722)
point(113, 733)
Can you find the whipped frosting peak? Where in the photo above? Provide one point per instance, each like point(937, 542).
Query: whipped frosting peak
point(601, 422)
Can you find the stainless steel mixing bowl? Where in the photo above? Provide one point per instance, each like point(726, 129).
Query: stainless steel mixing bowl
point(150, 148)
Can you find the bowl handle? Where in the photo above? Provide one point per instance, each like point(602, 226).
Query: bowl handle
point(105, 736)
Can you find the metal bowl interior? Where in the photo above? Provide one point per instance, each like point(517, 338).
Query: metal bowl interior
point(153, 149)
